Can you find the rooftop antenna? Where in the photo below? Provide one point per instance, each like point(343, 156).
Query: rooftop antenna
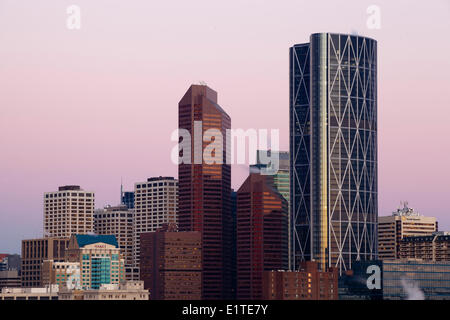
point(121, 191)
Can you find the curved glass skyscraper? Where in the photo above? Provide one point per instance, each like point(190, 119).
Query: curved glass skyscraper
point(333, 148)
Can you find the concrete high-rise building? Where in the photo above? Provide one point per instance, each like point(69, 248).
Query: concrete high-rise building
point(405, 222)
point(155, 204)
point(99, 258)
point(205, 187)
point(68, 211)
point(308, 283)
point(34, 252)
point(171, 264)
point(262, 234)
point(333, 150)
point(435, 247)
point(281, 182)
point(119, 221)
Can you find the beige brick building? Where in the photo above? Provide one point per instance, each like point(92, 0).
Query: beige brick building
point(403, 223)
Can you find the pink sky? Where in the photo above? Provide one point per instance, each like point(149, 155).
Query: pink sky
point(93, 105)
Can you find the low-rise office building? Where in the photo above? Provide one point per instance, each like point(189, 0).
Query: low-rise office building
point(171, 265)
point(308, 283)
point(435, 247)
point(130, 290)
point(61, 274)
point(34, 252)
point(44, 293)
point(10, 278)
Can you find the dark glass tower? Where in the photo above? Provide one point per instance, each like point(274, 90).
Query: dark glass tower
point(205, 190)
point(333, 148)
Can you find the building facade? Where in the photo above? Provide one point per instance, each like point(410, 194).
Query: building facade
point(10, 279)
point(416, 280)
point(308, 283)
point(171, 264)
point(435, 247)
point(34, 252)
point(38, 293)
point(130, 290)
point(68, 211)
point(404, 222)
point(205, 187)
point(62, 274)
point(119, 221)
point(333, 150)
point(99, 258)
point(156, 204)
point(262, 240)
point(281, 182)
point(128, 199)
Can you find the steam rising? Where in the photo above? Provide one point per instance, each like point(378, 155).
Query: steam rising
point(412, 290)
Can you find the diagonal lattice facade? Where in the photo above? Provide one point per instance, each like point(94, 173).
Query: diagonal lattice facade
point(334, 208)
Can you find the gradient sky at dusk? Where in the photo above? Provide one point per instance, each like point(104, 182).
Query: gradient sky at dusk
point(90, 106)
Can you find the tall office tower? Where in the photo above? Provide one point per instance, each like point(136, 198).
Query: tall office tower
point(281, 182)
point(34, 252)
point(99, 259)
point(68, 211)
point(119, 221)
point(262, 216)
point(405, 222)
point(155, 204)
point(205, 188)
point(171, 264)
point(333, 148)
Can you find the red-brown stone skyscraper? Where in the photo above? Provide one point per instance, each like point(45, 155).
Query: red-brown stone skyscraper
point(262, 239)
point(205, 189)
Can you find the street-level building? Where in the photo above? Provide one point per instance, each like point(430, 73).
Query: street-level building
point(130, 290)
point(308, 283)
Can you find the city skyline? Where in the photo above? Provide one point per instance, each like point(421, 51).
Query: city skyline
point(53, 135)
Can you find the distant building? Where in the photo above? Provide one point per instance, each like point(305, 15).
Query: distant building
point(10, 278)
point(68, 211)
point(10, 262)
point(34, 252)
point(99, 257)
point(261, 234)
point(130, 290)
point(405, 222)
point(156, 203)
point(171, 265)
point(435, 247)
point(119, 221)
point(128, 199)
point(308, 283)
point(45, 293)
